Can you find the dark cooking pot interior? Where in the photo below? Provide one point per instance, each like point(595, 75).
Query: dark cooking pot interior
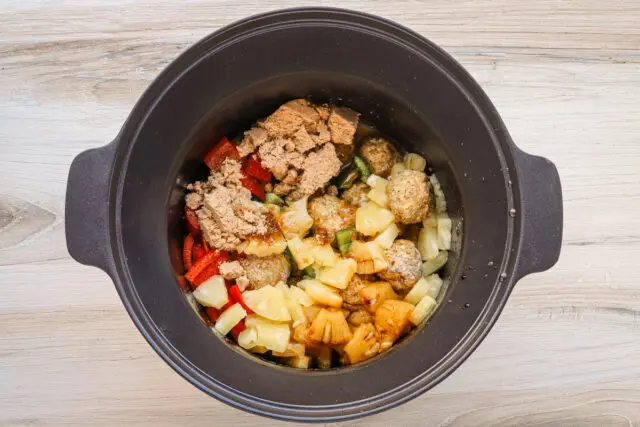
point(413, 93)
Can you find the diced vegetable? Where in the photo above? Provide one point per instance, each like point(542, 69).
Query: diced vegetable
point(294, 349)
point(248, 338)
point(364, 343)
point(236, 330)
point(415, 162)
point(330, 327)
point(198, 252)
point(369, 257)
point(441, 204)
point(434, 285)
point(301, 362)
point(344, 238)
point(339, 275)
point(295, 219)
point(397, 167)
point(212, 293)
point(236, 296)
point(254, 168)
point(212, 313)
point(273, 336)
point(444, 231)
point(433, 265)
point(378, 192)
point(391, 319)
point(268, 302)
point(230, 318)
point(418, 291)
point(222, 150)
point(347, 177)
point(387, 237)
point(253, 320)
point(187, 251)
point(374, 294)
point(309, 272)
point(301, 252)
point(363, 169)
point(262, 246)
point(212, 257)
point(193, 224)
point(422, 310)
point(273, 199)
point(253, 186)
point(371, 219)
point(320, 293)
point(428, 243)
point(374, 180)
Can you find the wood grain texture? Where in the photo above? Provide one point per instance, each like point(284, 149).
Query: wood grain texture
point(564, 74)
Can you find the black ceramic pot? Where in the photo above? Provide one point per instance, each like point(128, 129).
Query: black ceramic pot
point(124, 200)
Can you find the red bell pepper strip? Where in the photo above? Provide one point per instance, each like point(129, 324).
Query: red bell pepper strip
point(193, 225)
point(254, 168)
point(226, 306)
point(210, 258)
point(236, 296)
point(223, 149)
point(198, 251)
point(213, 313)
point(212, 269)
point(235, 331)
point(205, 245)
point(254, 186)
point(187, 252)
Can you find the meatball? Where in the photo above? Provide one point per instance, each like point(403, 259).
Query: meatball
point(380, 155)
point(357, 194)
point(405, 265)
point(408, 193)
point(351, 294)
point(266, 270)
point(330, 214)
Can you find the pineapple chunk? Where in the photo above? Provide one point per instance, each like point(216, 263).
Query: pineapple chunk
point(296, 311)
point(253, 320)
point(433, 265)
point(391, 319)
point(444, 232)
point(423, 310)
point(369, 256)
point(374, 294)
point(415, 162)
point(330, 327)
point(418, 291)
point(371, 219)
point(248, 338)
point(398, 167)
point(259, 349)
point(364, 344)
point(263, 246)
point(295, 220)
point(311, 312)
point(230, 318)
point(323, 255)
point(301, 297)
point(294, 349)
point(434, 284)
point(320, 293)
point(339, 275)
point(431, 221)
point(268, 302)
point(428, 243)
point(274, 337)
point(301, 362)
point(301, 252)
point(212, 292)
point(386, 238)
point(378, 192)
point(441, 203)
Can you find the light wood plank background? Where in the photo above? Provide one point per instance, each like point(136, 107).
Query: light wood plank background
point(564, 74)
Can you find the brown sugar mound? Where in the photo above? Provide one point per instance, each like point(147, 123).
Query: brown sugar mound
point(318, 169)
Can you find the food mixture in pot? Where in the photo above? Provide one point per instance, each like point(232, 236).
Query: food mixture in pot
point(311, 244)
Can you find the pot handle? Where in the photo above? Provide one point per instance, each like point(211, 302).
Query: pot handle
point(541, 195)
point(87, 206)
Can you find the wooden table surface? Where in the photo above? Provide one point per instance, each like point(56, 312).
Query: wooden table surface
point(565, 76)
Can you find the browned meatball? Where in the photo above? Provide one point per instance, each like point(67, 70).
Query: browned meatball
point(359, 317)
point(380, 155)
point(357, 194)
point(408, 193)
point(351, 295)
point(405, 265)
point(330, 214)
point(266, 270)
